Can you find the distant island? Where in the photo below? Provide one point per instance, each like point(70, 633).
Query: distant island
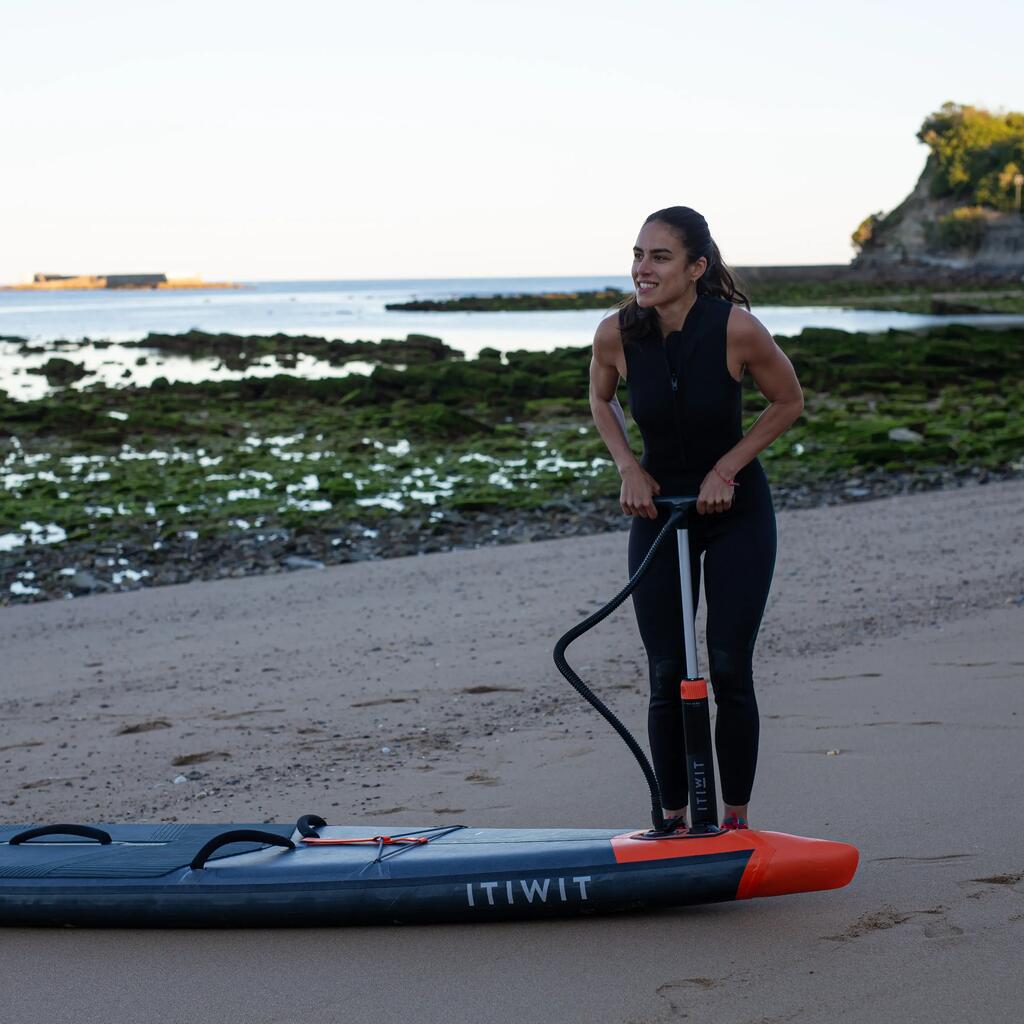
point(94, 282)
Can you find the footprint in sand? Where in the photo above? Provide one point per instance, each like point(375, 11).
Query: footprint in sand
point(889, 917)
point(670, 991)
point(482, 778)
point(1011, 878)
point(207, 755)
point(868, 725)
point(942, 929)
point(41, 783)
point(491, 689)
point(837, 679)
point(876, 921)
point(222, 716)
point(937, 859)
point(131, 730)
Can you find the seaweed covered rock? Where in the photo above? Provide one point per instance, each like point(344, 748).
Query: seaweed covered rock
point(60, 372)
point(602, 298)
point(238, 352)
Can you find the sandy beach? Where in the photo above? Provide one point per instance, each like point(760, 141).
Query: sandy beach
point(421, 691)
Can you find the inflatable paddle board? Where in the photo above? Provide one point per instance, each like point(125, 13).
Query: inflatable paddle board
point(131, 876)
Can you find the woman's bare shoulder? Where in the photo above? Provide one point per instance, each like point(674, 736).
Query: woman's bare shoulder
point(744, 328)
point(608, 339)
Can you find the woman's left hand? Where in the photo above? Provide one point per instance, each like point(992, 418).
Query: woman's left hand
point(716, 495)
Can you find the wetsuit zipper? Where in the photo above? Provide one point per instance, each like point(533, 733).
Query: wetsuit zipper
point(675, 405)
point(671, 372)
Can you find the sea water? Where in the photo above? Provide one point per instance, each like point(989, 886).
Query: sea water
point(345, 310)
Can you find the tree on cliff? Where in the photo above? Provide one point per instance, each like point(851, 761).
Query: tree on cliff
point(975, 156)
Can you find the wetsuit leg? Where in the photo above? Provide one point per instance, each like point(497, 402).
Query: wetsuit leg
point(739, 561)
point(659, 616)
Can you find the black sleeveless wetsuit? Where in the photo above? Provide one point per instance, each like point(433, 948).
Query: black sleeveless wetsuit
point(688, 409)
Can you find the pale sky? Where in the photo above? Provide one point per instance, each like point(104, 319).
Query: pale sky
point(253, 140)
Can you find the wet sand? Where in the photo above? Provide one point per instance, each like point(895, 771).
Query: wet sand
point(893, 638)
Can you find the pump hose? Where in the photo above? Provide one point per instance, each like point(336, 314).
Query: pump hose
point(584, 691)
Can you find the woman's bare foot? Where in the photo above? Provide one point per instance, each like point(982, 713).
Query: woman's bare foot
point(680, 814)
point(735, 816)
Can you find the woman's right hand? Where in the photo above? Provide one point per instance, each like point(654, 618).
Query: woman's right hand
point(638, 490)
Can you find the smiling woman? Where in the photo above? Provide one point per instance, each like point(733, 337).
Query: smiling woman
point(682, 344)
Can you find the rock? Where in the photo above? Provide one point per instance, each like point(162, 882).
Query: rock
point(295, 562)
point(905, 434)
point(60, 371)
point(84, 582)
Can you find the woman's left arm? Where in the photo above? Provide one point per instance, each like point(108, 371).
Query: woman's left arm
point(751, 347)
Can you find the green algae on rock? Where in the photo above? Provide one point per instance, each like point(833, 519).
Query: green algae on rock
point(603, 298)
point(457, 441)
point(935, 293)
point(238, 352)
point(59, 371)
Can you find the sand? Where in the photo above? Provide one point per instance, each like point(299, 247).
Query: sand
point(894, 638)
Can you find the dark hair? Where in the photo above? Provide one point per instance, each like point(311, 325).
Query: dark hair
point(638, 324)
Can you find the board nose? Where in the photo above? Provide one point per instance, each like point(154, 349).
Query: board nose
point(784, 864)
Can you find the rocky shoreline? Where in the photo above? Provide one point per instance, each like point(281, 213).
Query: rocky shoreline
point(107, 489)
point(41, 572)
point(899, 289)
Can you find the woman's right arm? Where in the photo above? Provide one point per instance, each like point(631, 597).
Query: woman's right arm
point(606, 367)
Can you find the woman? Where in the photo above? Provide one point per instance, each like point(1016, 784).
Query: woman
point(683, 343)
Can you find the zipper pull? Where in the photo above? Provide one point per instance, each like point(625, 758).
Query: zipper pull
point(675, 383)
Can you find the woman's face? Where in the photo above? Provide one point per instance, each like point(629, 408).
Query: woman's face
point(661, 270)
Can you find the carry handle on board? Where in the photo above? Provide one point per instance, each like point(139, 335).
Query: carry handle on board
point(84, 831)
point(238, 835)
point(308, 824)
point(693, 690)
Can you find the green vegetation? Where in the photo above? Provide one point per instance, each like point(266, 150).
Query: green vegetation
point(942, 295)
point(975, 157)
point(964, 228)
point(603, 299)
point(975, 153)
point(452, 434)
point(866, 229)
point(238, 352)
point(57, 370)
